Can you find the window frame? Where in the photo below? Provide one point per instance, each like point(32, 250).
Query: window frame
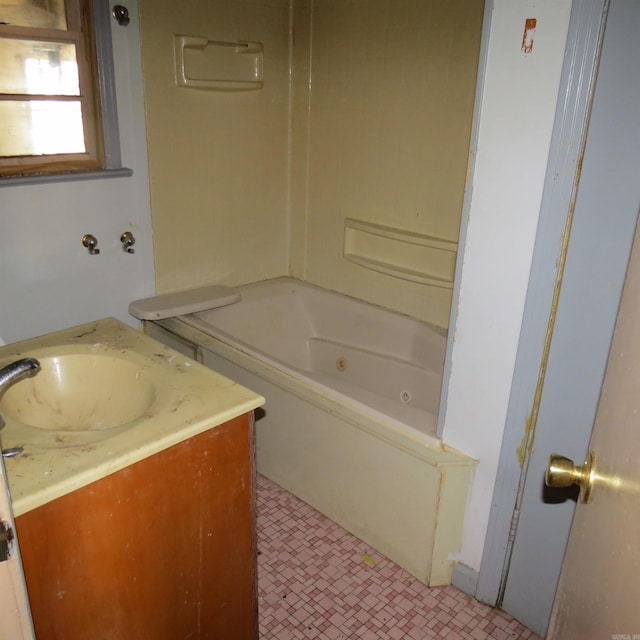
point(105, 113)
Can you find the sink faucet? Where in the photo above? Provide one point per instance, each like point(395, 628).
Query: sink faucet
point(24, 368)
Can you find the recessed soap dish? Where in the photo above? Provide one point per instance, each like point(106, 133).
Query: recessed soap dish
point(217, 65)
point(400, 253)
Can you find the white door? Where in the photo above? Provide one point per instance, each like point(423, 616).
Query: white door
point(599, 590)
point(15, 616)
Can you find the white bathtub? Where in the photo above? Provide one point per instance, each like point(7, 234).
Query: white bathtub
point(351, 405)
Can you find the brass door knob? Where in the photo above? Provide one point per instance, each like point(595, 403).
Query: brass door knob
point(563, 472)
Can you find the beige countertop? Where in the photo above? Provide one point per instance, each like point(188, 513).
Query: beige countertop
point(160, 398)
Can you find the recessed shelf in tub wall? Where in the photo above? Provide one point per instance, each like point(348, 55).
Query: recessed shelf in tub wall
point(403, 254)
point(217, 65)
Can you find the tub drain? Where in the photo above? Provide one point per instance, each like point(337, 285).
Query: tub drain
point(406, 396)
point(341, 364)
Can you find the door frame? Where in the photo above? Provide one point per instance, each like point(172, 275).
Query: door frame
point(575, 94)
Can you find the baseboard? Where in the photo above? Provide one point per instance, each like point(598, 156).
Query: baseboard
point(465, 578)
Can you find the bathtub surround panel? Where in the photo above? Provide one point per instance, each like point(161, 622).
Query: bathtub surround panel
point(217, 160)
point(300, 104)
point(383, 98)
point(365, 112)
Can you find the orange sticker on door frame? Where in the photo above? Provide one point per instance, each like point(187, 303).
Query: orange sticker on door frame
point(528, 35)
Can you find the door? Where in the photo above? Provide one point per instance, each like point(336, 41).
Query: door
point(596, 261)
point(599, 589)
point(15, 617)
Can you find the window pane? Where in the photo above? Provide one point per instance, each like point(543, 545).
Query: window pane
point(40, 127)
point(46, 14)
point(38, 68)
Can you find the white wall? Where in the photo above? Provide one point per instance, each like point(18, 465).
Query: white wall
point(514, 133)
point(47, 278)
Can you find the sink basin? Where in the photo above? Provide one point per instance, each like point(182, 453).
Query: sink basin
point(107, 396)
point(80, 392)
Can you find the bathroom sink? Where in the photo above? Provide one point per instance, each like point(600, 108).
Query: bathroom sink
point(106, 397)
point(81, 391)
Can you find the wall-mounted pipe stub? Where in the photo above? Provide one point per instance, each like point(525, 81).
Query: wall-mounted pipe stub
point(216, 65)
point(121, 14)
point(91, 242)
point(128, 241)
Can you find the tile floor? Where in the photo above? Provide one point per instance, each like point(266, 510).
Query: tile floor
point(316, 580)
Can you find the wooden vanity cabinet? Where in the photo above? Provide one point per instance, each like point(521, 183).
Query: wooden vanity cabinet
point(161, 550)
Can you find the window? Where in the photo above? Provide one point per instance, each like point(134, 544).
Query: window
point(51, 117)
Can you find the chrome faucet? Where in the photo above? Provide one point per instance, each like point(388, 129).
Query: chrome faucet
point(12, 373)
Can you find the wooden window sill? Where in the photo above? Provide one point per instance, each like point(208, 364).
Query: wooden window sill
point(13, 181)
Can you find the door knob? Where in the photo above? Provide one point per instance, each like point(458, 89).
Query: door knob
point(563, 472)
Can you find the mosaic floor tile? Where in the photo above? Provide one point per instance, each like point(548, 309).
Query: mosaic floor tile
point(316, 580)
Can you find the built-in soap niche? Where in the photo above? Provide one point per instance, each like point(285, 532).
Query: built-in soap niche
point(399, 253)
point(217, 65)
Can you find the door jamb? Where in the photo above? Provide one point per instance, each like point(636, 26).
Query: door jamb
point(563, 172)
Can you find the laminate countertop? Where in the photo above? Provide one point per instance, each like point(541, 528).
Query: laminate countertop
point(106, 397)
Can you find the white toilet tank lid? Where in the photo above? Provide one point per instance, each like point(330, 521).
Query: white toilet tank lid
point(180, 303)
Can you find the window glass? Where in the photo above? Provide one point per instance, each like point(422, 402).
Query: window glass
point(41, 127)
point(44, 14)
point(49, 96)
point(38, 68)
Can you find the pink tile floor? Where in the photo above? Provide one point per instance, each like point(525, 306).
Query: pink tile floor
point(316, 580)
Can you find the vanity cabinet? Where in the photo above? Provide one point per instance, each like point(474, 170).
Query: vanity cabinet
point(162, 549)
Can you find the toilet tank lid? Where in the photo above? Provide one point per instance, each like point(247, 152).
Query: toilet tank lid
point(179, 303)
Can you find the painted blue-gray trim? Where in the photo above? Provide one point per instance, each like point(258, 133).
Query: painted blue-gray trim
point(106, 82)
point(464, 578)
point(566, 148)
point(602, 231)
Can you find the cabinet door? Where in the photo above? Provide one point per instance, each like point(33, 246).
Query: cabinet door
point(162, 549)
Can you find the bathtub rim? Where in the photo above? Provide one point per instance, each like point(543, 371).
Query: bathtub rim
point(421, 445)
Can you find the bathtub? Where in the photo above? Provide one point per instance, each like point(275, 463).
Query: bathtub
point(349, 423)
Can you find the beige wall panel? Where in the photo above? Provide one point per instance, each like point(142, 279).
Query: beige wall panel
point(252, 185)
point(300, 103)
point(388, 120)
point(217, 160)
